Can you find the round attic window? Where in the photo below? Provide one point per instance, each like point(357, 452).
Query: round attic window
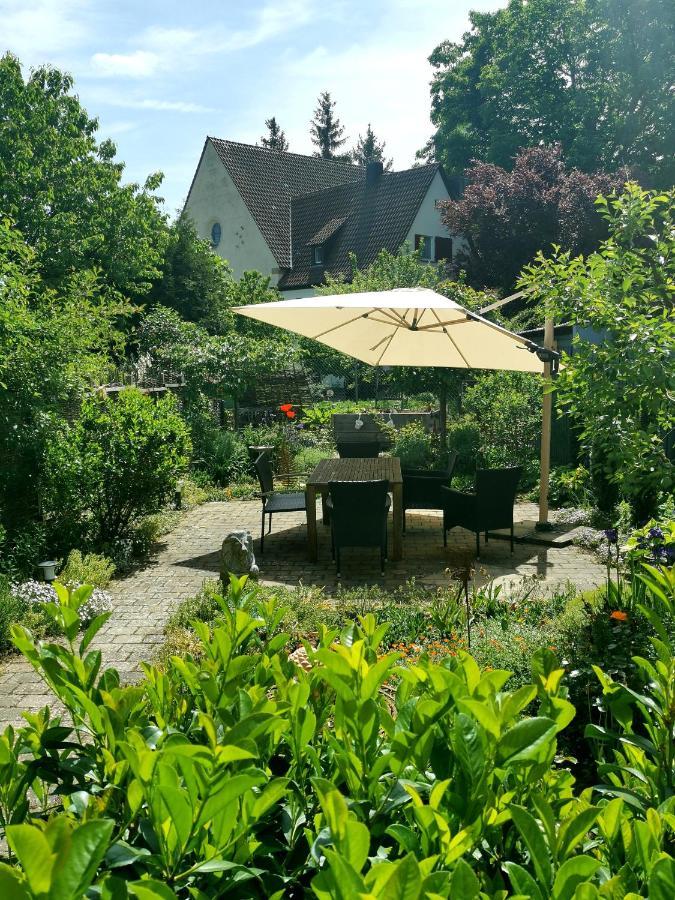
point(216, 232)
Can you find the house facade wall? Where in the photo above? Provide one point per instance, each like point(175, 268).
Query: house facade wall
point(428, 218)
point(215, 198)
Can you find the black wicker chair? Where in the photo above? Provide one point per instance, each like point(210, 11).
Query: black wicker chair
point(358, 449)
point(358, 516)
point(488, 508)
point(422, 489)
point(274, 501)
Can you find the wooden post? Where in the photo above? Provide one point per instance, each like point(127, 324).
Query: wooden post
point(443, 415)
point(547, 410)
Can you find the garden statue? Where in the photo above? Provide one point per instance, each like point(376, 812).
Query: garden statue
point(236, 556)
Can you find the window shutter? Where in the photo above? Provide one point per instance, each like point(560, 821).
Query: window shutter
point(443, 249)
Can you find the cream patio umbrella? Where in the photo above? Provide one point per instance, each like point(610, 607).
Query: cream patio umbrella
point(404, 327)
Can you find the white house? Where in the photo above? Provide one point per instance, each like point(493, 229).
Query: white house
point(296, 217)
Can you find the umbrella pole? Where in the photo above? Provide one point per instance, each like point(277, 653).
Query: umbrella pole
point(547, 411)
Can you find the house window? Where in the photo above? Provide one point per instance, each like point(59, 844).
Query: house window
point(216, 234)
point(423, 244)
point(443, 249)
point(317, 255)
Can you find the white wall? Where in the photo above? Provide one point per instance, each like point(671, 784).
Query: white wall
point(293, 294)
point(215, 198)
point(428, 218)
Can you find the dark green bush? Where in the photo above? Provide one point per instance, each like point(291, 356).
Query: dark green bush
point(119, 461)
point(464, 437)
point(416, 447)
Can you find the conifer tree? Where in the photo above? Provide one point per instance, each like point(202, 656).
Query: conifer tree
point(275, 139)
point(326, 129)
point(369, 149)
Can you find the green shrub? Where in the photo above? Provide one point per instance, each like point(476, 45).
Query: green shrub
point(506, 407)
point(118, 462)
point(416, 447)
point(463, 436)
point(308, 458)
point(234, 771)
point(90, 568)
point(226, 458)
point(569, 486)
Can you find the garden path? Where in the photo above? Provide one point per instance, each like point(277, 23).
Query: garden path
point(144, 600)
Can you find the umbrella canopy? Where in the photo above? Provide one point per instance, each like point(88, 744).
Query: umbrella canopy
point(401, 327)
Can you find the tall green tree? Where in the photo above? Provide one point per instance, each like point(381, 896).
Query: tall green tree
point(369, 149)
point(621, 388)
point(64, 190)
point(275, 139)
point(326, 130)
point(592, 75)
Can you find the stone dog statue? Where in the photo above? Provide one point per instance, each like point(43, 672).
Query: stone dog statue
point(236, 556)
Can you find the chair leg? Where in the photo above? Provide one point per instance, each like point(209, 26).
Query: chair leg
point(478, 545)
point(269, 530)
point(262, 534)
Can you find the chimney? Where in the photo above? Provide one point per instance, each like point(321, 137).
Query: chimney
point(373, 171)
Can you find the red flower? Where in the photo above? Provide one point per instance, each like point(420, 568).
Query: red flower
point(619, 615)
point(286, 407)
point(290, 414)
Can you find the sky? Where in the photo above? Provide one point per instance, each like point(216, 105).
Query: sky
point(161, 76)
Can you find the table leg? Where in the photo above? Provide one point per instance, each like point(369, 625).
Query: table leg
point(397, 523)
point(312, 537)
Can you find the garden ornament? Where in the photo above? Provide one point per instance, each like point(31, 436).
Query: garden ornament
point(236, 556)
point(359, 422)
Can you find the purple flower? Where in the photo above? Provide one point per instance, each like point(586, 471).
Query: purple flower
point(655, 533)
point(612, 535)
point(670, 553)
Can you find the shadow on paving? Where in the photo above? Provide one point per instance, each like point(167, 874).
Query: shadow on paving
point(425, 558)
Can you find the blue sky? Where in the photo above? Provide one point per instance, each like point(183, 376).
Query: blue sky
point(160, 76)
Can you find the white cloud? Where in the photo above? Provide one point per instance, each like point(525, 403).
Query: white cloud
point(139, 64)
point(160, 48)
point(166, 106)
point(38, 31)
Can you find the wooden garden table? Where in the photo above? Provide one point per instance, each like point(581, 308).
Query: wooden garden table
point(382, 467)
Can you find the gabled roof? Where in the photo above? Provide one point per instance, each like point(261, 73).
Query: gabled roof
point(371, 216)
point(267, 180)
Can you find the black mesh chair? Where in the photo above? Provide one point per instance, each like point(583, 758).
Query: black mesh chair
point(358, 449)
point(488, 508)
point(358, 516)
point(422, 489)
point(274, 501)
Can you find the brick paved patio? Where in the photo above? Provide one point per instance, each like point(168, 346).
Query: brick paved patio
point(143, 601)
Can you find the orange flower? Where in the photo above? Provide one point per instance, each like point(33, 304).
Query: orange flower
point(290, 414)
point(619, 615)
point(286, 407)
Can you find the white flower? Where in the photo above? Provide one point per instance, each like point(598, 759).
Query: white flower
point(40, 592)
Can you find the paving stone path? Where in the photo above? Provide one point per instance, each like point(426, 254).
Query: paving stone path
point(143, 601)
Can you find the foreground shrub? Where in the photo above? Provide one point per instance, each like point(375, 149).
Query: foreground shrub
point(119, 461)
point(240, 772)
